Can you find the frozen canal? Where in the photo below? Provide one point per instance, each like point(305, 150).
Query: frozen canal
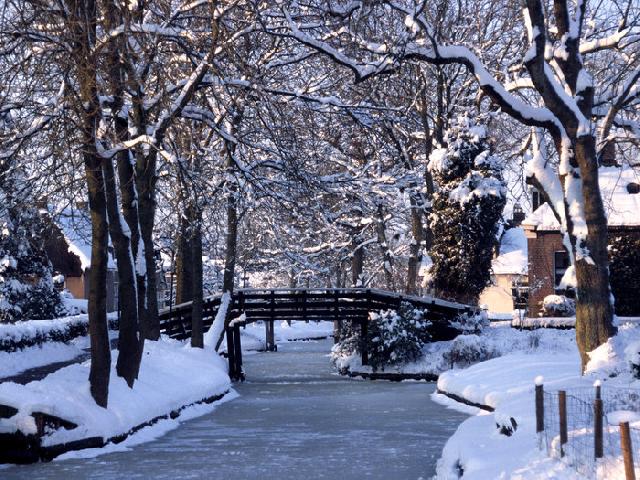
point(295, 419)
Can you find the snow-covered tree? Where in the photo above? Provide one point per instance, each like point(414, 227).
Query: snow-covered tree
point(466, 212)
point(26, 286)
point(570, 70)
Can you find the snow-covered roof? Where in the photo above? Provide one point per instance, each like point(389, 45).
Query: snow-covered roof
point(513, 254)
point(76, 228)
point(622, 208)
point(542, 218)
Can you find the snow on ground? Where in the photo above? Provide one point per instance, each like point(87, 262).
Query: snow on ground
point(496, 340)
point(302, 330)
point(161, 388)
point(13, 363)
point(253, 336)
point(33, 332)
point(559, 322)
point(479, 451)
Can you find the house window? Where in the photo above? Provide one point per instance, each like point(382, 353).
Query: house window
point(535, 199)
point(520, 293)
point(560, 265)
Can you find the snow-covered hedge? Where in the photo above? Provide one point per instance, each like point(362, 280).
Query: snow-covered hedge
point(19, 335)
point(469, 349)
point(558, 306)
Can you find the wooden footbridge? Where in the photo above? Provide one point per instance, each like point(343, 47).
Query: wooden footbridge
point(330, 304)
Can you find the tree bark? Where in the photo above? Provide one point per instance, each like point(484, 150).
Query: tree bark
point(357, 261)
point(230, 243)
point(129, 345)
point(145, 182)
point(97, 306)
point(384, 248)
point(197, 333)
point(594, 309)
point(415, 258)
point(184, 263)
point(82, 27)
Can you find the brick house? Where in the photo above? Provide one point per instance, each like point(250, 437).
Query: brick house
point(550, 270)
point(509, 279)
point(68, 246)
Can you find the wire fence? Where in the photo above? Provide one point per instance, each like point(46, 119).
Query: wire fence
point(582, 426)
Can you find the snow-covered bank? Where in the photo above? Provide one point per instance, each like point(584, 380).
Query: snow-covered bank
point(20, 335)
point(559, 322)
point(13, 363)
point(494, 341)
point(478, 449)
point(172, 376)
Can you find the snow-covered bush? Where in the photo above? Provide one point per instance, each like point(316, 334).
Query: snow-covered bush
point(468, 349)
point(471, 322)
point(396, 336)
point(558, 306)
point(632, 355)
point(466, 212)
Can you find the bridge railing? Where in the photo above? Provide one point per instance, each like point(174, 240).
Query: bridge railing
point(350, 304)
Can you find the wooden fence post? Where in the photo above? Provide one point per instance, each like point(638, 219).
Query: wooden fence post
point(539, 405)
point(627, 451)
point(562, 409)
point(598, 438)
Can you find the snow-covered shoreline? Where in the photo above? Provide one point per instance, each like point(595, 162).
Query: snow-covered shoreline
point(172, 376)
point(478, 450)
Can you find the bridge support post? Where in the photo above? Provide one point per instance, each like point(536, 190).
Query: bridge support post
point(337, 328)
point(364, 327)
point(270, 336)
point(229, 331)
point(237, 353)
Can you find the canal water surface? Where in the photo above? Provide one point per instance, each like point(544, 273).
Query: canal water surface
point(295, 419)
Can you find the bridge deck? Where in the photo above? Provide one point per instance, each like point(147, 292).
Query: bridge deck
point(329, 304)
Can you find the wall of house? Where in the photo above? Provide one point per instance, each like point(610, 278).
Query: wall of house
point(497, 297)
point(112, 289)
point(75, 285)
point(542, 246)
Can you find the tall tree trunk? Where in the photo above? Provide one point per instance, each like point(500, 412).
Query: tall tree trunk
point(82, 26)
point(384, 248)
point(97, 303)
point(197, 333)
point(129, 345)
point(594, 309)
point(231, 243)
point(415, 257)
point(232, 203)
point(145, 182)
point(357, 262)
point(184, 262)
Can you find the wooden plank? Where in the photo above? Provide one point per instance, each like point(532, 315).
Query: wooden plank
point(627, 451)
